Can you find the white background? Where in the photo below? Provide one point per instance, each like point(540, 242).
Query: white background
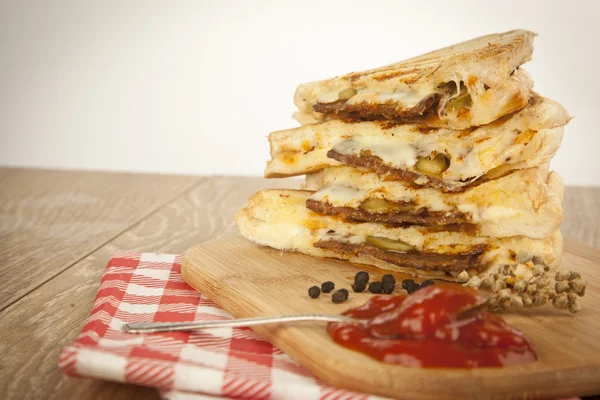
point(195, 87)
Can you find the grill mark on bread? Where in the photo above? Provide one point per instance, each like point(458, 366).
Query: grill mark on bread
point(455, 221)
point(409, 75)
point(414, 259)
point(426, 64)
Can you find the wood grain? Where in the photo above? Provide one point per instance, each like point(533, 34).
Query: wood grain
point(34, 329)
point(50, 219)
point(248, 280)
point(581, 222)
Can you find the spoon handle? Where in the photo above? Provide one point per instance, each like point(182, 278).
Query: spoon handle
point(150, 327)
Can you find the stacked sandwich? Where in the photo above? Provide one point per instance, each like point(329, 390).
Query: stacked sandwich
point(436, 166)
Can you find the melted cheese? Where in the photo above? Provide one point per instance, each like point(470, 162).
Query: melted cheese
point(352, 190)
point(392, 151)
point(340, 237)
point(405, 99)
point(283, 235)
point(340, 196)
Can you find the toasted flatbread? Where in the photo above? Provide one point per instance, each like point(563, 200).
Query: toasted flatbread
point(528, 138)
point(527, 202)
point(468, 84)
point(280, 219)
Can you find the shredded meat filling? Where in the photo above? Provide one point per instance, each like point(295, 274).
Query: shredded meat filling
point(386, 111)
point(413, 259)
point(396, 218)
point(375, 163)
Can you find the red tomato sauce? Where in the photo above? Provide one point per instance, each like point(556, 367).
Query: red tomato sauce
point(433, 328)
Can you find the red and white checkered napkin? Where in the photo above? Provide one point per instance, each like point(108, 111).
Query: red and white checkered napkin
point(218, 362)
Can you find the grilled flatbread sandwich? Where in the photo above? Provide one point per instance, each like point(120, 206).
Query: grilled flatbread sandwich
point(450, 160)
point(527, 202)
point(468, 84)
point(280, 219)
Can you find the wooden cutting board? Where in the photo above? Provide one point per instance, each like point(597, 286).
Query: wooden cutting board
point(248, 280)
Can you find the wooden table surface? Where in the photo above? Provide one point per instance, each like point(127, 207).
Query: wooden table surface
point(59, 228)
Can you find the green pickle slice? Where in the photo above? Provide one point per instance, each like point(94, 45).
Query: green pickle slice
point(389, 244)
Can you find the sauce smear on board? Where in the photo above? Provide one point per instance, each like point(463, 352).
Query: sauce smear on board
point(434, 328)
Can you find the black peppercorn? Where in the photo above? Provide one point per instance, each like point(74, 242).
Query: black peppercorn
point(413, 289)
point(406, 283)
point(359, 286)
point(427, 282)
point(411, 286)
point(327, 287)
point(388, 278)
point(388, 287)
point(314, 292)
point(375, 287)
point(340, 296)
point(361, 276)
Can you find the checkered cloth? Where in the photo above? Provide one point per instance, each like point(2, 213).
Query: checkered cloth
point(224, 362)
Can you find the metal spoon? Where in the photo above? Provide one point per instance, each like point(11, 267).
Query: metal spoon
point(150, 327)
